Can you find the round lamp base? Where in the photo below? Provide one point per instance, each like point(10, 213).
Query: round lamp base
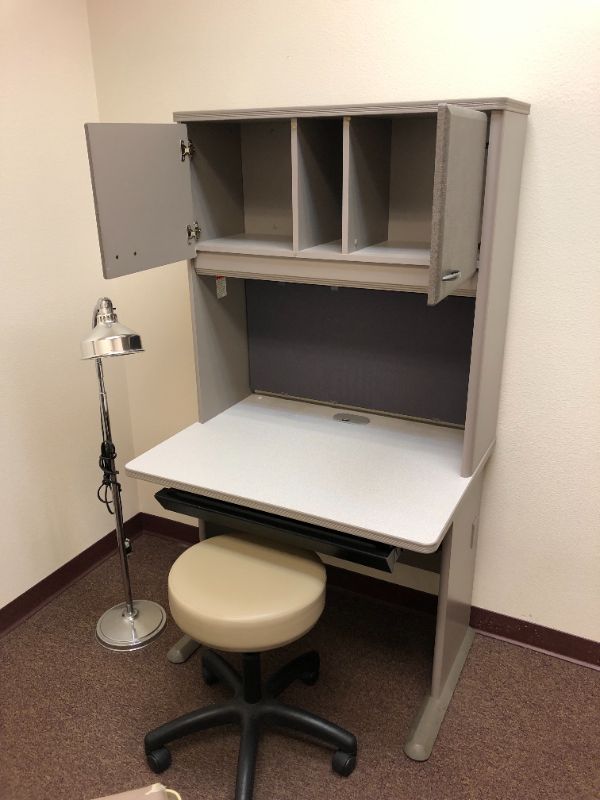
point(117, 630)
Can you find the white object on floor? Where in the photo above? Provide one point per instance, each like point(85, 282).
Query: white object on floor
point(156, 792)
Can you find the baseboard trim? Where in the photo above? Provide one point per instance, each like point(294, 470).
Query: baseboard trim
point(393, 593)
point(500, 626)
point(538, 637)
point(161, 526)
point(24, 606)
point(527, 634)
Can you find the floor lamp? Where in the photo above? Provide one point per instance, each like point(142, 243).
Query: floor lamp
point(134, 623)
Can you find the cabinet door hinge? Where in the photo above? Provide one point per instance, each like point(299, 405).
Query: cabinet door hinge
point(187, 149)
point(193, 232)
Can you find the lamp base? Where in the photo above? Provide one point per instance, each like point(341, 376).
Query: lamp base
point(116, 630)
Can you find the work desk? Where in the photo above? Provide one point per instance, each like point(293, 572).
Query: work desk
point(356, 255)
point(392, 480)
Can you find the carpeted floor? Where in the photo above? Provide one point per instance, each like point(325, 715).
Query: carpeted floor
point(73, 715)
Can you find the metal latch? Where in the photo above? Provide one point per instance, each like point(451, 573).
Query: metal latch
point(187, 149)
point(193, 232)
point(451, 275)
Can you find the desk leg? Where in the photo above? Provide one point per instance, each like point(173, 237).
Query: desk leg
point(453, 636)
point(182, 650)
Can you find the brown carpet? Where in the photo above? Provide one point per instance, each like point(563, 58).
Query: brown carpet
point(73, 715)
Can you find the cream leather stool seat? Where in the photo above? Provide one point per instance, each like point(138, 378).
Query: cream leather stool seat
point(237, 594)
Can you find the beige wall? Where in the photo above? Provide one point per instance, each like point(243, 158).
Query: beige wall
point(50, 280)
point(539, 554)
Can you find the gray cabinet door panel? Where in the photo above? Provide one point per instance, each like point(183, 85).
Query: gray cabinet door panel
point(142, 193)
point(457, 194)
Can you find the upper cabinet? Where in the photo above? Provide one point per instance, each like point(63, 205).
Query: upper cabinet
point(385, 197)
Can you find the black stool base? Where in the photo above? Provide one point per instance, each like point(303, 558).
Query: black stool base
point(251, 707)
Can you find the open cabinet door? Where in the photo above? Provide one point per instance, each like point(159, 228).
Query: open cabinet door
point(457, 192)
point(143, 195)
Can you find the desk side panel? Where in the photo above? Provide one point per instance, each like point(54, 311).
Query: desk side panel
point(456, 586)
point(220, 344)
point(501, 204)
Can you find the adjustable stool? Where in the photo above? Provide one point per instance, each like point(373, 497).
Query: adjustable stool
point(236, 594)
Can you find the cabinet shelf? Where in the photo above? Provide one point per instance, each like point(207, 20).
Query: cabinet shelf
point(380, 253)
point(319, 269)
point(252, 244)
point(327, 250)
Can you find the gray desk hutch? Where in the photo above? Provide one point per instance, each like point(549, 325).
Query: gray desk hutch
point(350, 276)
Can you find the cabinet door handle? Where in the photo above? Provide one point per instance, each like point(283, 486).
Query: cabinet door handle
point(451, 275)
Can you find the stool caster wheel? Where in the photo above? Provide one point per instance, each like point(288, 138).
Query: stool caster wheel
point(343, 763)
point(208, 677)
point(310, 678)
point(159, 760)
point(311, 675)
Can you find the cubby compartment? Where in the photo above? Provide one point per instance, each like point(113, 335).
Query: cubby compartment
point(389, 188)
point(317, 186)
point(242, 186)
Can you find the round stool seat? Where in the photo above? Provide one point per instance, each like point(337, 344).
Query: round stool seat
point(235, 593)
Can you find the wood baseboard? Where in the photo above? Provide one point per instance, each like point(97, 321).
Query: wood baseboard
point(528, 634)
point(393, 593)
point(161, 526)
point(22, 607)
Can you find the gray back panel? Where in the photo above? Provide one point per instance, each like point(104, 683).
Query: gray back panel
point(385, 351)
point(142, 193)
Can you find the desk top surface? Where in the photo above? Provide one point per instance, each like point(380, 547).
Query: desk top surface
point(392, 480)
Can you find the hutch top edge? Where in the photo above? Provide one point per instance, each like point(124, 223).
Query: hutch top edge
point(419, 107)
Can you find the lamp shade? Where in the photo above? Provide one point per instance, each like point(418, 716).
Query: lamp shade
point(109, 337)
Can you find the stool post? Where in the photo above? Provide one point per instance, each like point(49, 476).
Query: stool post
point(252, 680)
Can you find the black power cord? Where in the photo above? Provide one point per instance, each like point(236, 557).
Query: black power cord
point(109, 475)
point(109, 479)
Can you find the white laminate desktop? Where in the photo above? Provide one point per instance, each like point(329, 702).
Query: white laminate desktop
point(395, 481)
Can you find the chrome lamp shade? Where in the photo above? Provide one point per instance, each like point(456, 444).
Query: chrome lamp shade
point(109, 337)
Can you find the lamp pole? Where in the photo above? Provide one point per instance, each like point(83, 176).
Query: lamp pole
point(134, 623)
point(107, 460)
